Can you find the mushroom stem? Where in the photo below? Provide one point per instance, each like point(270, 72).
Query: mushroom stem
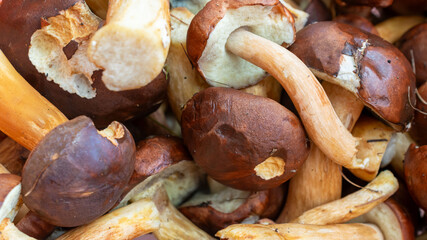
point(316, 112)
point(8, 231)
point(319, 179)
point(393, 28)
point(301, 231)
point(26, 116)
point(353, 205)
point(99, 7)
point(129, 222)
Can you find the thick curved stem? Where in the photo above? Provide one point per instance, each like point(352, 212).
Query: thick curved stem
point(316, 112)
point(26, 116)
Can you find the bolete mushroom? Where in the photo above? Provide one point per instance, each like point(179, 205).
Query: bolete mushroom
point(243, 141)
point(357, 21)
point(391, 219)
point(32, 225)
point(415, 167)
point(8, 231)
point(215, 40)
point(20, 19)
point(214, 210)
point(70, 160)
point(413, 45)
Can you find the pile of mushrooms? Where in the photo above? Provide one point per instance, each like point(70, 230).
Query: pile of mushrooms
point(207, 119)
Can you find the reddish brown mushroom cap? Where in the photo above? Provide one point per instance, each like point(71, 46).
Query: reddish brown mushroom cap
point(241, 140)
point(415, 168)
point(211, 27)
point(34, 227)
point(414, 45)
point(77, 173)
point(19, 19)
point(357, 21)
point(373, 69)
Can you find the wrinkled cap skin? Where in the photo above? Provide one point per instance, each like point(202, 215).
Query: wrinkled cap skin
point(229, 133)
point(383, 72)
point(155, 154)
point(414, 45)
point(211, 27)
point(19, 19)
point(74, 175)
point(357, 21)
point(415, 168)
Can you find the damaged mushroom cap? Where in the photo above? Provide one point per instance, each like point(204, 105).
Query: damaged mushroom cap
point(392, 219)
point(211, 27)
point(215, 211)
point(357, 21)
point(363, 63)
point(10, 190)
point(84, 168)
point(243, 141)
point(413, 45)
point(415, 168)
point(155, 154)
point(419, 128)
point(21, 19)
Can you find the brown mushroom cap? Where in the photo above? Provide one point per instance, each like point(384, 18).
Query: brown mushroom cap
point(317, 11)
point(211, 27)
point(10, 189)
point(35, 227)
point(414, 45)
point(415, 168)
point(241, 140)
point(372, 3)
point(155, 154)
point(419, 128)
point(409, 7)
point(77, 173)
point(19, 19)
point(357, 21)
point(373, 69)
point(215, 211)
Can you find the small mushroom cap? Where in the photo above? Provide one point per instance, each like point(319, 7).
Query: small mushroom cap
point(10, 189)
point(357, 21)
point(363, 63)
point(155, 154)
point(77, 173)
point(415, 168)
point(414, 45)
point(211, 27)
point(243, 141)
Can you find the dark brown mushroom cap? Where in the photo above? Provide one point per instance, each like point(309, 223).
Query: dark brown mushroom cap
point(19, 19)
point(317, 11)
point(409, 7)
point(415, 168)
point(414, 45)
point(155, 154)
point(276, 24)
point(372, 3)
point(233, 135)
point(75, 174)
point(211, 220)
point(419, 126)
point(7, 183)
point(385, 74)
point(35, 227)
point(357, 21)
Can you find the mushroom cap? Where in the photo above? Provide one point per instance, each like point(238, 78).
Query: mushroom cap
point(19, 19)
point(357, 21)
point(363, 63)
point(414, 45)
point(155, 154)
point(415, 169)
point(10, 189)
point(211, 27)
point(35, 227)
point(77, 173)
point(372, 3)
point(419, 127)
point(243, 141)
